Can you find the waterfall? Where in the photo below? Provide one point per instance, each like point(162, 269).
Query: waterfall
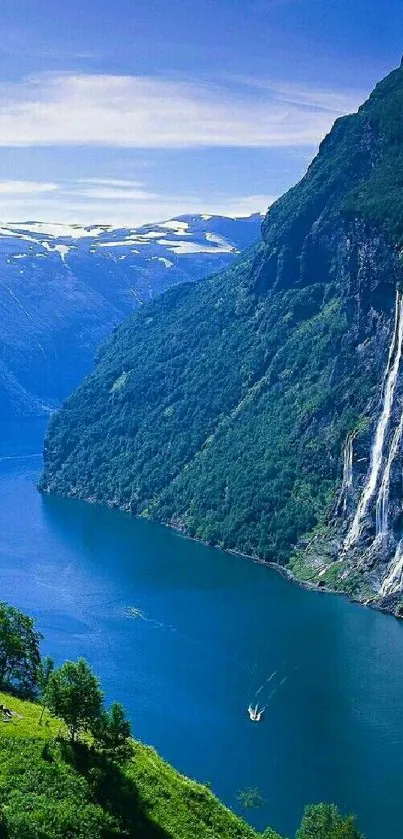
point(382, 501)
point(347, 481)
point(394, 579)
point(348, 463)
point(388, 391)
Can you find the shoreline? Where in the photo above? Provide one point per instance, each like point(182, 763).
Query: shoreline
point(280, 569)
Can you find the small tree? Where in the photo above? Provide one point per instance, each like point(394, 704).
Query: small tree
point(19, 651)
point(112, 734)
point(323, 821)
point(74, 694)
point(45, 669)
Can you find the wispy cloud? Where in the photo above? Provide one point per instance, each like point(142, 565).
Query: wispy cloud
point(110, 189)
point(116, 194)
point(334, 102)
point(110, 182)
point(75, 202)
point(145, 112)
point(26, 187)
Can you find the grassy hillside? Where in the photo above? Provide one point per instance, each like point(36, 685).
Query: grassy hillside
point(69, 768)
point(48, 790)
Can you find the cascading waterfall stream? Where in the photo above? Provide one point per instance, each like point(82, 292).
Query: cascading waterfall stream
point(389, 386)
point(348, 463)
point(347, 481)
point(394, 580)
point(382, 501)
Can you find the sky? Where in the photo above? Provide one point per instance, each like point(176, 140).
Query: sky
point(130, 111)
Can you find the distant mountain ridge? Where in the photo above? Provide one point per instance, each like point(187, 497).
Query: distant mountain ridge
point(63, 288)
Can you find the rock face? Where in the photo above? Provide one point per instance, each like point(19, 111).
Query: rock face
point(64, 288)
point(262, 410)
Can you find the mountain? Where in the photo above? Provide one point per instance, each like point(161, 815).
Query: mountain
point(262, 409)
point(64, 288)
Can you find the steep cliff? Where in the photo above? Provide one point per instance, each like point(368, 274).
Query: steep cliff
point(250, 410)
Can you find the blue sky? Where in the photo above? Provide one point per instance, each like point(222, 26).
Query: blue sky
point(127, 111)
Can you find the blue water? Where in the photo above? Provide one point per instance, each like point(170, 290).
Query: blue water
point(209, 628)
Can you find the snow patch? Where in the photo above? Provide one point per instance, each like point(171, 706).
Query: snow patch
point(224, 245)
point(62, 250)
point(5, 231)
point(124, 244)
point(70, 231)
point(174, 224)
point(166, 262)
point(152, 234)
point(182, 247)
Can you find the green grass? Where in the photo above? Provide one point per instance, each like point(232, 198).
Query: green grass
point(51, 790)
point(26, 722)
point(55, 789)
point(184, 807)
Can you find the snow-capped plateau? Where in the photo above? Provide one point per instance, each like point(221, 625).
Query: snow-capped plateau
point(63, 288)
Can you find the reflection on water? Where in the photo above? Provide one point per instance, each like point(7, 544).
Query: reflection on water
point(186, 637)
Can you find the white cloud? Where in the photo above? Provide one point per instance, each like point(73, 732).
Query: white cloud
point(245, 205)
point(146, 112)
point(335, 102)
point(110, 182)
point(116, 193)
point(68, 208)
point(26, 187)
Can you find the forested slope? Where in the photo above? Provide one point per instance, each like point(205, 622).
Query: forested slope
point(224, 408)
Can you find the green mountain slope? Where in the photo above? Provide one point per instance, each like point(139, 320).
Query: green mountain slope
point(224, 408)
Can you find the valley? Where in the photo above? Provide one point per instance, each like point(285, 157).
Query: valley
point(64, 288)
point(201, 421)
point(185, 636)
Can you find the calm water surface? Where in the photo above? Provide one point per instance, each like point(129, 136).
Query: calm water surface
point(184, 636)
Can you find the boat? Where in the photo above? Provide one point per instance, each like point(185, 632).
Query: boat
point(255, 714)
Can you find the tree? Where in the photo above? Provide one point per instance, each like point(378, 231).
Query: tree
point(323, 821)
point(45, 669)
point(73, 693)
point(19, 651)
point(112, 734)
